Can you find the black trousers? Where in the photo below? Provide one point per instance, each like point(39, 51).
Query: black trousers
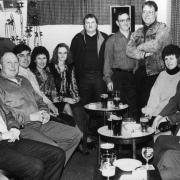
point(30, 160)
point(144, 84)
point(125, 82)
point(91, 86)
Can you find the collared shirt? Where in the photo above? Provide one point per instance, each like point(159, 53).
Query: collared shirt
point(115, 55)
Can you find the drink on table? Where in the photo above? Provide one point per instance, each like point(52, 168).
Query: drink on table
point(116, 98)
point(107, 148)
point(104, 99)
point(144, 121)
point(116, 125)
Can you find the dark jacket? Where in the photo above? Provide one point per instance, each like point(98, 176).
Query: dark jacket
point(172, 109)
point(78, 50)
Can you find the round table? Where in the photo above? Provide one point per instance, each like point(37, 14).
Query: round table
point(98, 107)
point(133, 138)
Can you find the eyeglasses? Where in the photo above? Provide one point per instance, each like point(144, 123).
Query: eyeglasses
point(124, 20)
point(148, 12)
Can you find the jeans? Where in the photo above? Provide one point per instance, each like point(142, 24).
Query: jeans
point(30, 160)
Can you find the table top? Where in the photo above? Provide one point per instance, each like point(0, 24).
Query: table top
point(151, 175)
point(104, 131)
point(98, 107)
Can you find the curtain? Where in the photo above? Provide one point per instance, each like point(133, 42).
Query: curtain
point(175, 21)
point(73, 11)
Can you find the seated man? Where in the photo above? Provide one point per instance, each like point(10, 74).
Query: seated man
point(30, 111)
point(27, 159)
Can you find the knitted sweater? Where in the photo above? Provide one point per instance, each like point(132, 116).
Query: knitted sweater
point(163, 89)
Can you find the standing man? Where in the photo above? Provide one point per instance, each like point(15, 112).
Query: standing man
point(87, 49)
point(145, 46)
point(118, 68)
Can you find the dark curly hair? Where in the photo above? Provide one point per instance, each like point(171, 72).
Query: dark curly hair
point(54, 59)
point(171, 49)
point(20, 48)
point(37, 51)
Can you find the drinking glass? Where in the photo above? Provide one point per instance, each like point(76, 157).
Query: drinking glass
point(147, 154)
point(116, 98)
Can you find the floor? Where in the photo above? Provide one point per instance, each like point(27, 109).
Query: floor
point(80, 167)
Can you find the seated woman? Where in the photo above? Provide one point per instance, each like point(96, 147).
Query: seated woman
point(165, 86)
point(64, 77)
point(66, 86)
point(39, 66)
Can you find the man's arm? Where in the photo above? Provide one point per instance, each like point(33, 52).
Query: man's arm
point(108, 57)
point(162, 38)
point(131, 50)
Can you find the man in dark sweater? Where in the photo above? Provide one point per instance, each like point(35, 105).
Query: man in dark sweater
point(87, 48)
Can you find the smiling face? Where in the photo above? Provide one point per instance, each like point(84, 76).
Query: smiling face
point(123, 22)
point(171, 61)
point(41, 61)
point(24, 59)
point(149, 15)
point(10, 65)
point(90, 25)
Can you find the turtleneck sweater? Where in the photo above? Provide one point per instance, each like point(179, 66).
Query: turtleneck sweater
point(163, 89)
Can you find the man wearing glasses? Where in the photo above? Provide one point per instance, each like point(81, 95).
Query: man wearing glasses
point(145, 46)
point(118, 68)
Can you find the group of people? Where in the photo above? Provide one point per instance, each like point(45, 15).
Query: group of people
point(39, 96)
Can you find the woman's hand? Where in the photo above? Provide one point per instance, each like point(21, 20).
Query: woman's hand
point(69, 100)
point(12, 135)
point(157, 121)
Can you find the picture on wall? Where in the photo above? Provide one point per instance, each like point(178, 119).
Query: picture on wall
point(114, 10)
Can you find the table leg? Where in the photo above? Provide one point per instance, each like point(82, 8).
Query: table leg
point(104, 117)
point(99, 153)
point(134, 148)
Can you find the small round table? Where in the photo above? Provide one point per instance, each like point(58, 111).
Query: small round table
point(98, 107)
point(134, 138)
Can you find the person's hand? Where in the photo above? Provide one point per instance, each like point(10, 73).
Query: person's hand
point(146, 111)
point(157, 121)
point(45, 117)
point(110, 86)
point(11, 135)
point(69, 100)
point(148, 54)
point(53, 108)
point(14, 134)
point(36, 116)
point(77, 99)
